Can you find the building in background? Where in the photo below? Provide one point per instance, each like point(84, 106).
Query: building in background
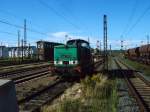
point(14, 52)
point(19, 51)
point(43, 51)
point(3, 52)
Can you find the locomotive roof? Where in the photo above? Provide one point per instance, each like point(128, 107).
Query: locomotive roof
point(78, 40)
point(48, 42)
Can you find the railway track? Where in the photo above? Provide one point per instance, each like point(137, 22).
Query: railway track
point(22, 77)
point(15, 62)
point(30, 77)
point(37, 99)
point(32, 100)
point(139, 87)
point(21, 65)
point(41, 96)
point(19, 68)
point(98, 63)
point(38, 96)
point(26, 75)
point(9, 74)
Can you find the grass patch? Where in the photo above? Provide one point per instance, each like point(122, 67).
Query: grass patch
point(138, 66)
point(98, 94)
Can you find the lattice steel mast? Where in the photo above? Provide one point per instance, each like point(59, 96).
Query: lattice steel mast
point(105, 44)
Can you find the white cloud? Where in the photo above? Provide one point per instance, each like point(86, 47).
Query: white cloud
point(61, 37)
point(60, 34)
point(116, 44)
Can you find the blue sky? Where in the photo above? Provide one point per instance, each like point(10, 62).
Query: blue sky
point(127, 20)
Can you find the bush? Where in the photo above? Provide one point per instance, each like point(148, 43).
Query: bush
point(99, 94)
point(70, 106)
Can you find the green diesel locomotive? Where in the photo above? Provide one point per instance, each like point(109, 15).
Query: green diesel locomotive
point(74, 58)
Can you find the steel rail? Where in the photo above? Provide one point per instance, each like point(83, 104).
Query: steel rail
point(11, 73)
point(41, 97)
point(33, 76)
point(142, 105)
point(33, 102)
point(21, 65)
point(138, 74)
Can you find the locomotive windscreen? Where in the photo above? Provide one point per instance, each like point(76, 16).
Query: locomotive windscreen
point(72, 42)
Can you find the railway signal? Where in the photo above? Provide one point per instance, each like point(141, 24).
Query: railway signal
point(122, 45)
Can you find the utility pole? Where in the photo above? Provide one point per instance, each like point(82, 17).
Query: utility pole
point(110, 49)
point(97, 46)
point(19, 45)
point(29, 54)
point(66, 37)
point(37, 58)
point(22, 50)
point(141, 42)
point(105, 43)
point(147, 39)
point(25, 37)
point(88, 40)
point(126, 47)
point(100, 47)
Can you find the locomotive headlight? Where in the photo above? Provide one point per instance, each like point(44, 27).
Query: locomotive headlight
point(58, 62)
point(71, 62)
point(75, 62)
point(55, 62)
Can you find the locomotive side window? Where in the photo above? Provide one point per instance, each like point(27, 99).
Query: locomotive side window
point(45, 45)
point(40, 45)
point(84, 44)
point(78, 43)
point(71, 42)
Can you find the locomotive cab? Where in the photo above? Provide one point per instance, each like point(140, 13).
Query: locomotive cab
point(74, 57)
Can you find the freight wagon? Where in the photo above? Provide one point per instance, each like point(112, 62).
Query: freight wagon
point(45, 50)
point(141, 54)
